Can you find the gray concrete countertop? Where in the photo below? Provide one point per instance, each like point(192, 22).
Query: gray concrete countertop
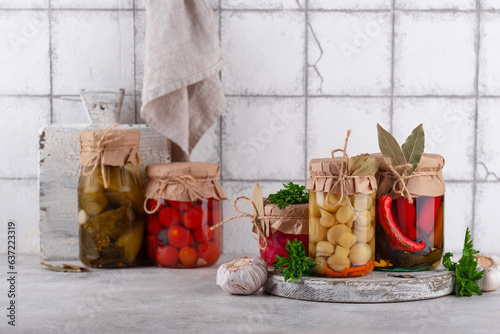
point(149, 299)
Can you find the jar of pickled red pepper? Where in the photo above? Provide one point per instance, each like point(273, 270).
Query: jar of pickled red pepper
point(110, 199)
point(410, 216)
point(341, 217)
point(289, 223)
point(182, 203)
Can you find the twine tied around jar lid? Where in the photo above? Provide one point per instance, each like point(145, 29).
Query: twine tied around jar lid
point(187, 181)
point(261, 227)
point(108, 148)
point(343, 170)
point(402, 178)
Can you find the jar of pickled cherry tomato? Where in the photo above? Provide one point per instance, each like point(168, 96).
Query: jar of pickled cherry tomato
point(110, 199)
point(182, 203)
point(289, 223)
point(410, 232)
point(341, 219)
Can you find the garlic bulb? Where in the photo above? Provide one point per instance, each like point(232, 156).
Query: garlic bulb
point(491, 277)
point(243, 276)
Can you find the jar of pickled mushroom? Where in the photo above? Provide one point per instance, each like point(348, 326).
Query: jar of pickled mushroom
point(342, 215)
point(110, 199)
point(410, 215)
point(182, 203)
point(289, 223)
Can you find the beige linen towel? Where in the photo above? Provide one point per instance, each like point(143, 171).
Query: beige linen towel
point(182, 94)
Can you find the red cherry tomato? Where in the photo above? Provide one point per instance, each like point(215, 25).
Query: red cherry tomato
point(152, 245)
point(169, 216)
point(151, 205)
point(167, 255)
point(209, 251)
point(180, 205)
point(188, 256)
point(194, 217)
point(179, 237)
point(153, 224)
point(203, 234)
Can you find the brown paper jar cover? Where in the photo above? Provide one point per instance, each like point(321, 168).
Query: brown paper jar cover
point(418, 185)
point(204, 181)
point(298, 223)
point(323, 174)
point(118, 148)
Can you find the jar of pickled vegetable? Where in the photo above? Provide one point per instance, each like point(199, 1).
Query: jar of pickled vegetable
point(342, 215)
point(110, 199)
point(182, 203)
point(287, 224)
point(410, 216)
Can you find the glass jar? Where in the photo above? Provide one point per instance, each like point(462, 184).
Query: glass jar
point(420, 221)
point(276, 244)
point(342, 241)
point(183, 203)
point(179, 235)
point(414, 240)
point(289, 223)
point(111, 219)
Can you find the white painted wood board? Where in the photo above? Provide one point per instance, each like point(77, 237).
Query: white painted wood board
point(376, 287)
point(59, 171)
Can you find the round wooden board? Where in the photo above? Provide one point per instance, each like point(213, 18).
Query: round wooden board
point(377, 287)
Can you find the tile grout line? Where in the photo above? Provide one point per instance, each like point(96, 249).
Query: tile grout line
point(306, 86)
point(476, 84)
point(50, 64)
point(393, 37)
point(297, 96)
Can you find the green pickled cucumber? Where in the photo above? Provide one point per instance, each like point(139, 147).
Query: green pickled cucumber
point(131, 242)
point(112, 222)
point(93, 203)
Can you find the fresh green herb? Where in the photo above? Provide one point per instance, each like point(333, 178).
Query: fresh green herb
point(296, 263)
point(292, 194)
point(465, 269)
point(409, 153)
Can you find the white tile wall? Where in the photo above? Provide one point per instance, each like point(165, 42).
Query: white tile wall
point(24, 56)
point(427, 61)
point(439, 115)
point(349, 53)
point(489, 65)
point(264, 51)
point(92, 49)
point(328, 120)
point(263, 139)
point(20, 120)
point(434, 53)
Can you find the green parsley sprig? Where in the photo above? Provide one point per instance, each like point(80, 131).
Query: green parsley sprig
point(465, 269)
point(292, 194)
point(296, 263)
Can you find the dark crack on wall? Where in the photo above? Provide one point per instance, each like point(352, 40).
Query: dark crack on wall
point(488, 173)
point(315, 65)
point(298, 4)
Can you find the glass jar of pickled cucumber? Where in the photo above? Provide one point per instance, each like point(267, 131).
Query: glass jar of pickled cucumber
point(341, 219)
point(110, 199)
point(410, 232)
point(183, 203)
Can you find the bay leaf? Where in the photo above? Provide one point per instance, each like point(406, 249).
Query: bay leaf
point(70, 268)
point(413, 147)
point(390, 147)
point(370, 167)
point(357, 161)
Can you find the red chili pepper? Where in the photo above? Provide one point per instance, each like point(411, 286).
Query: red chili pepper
point(392, 230)
point(406, 217)
point(427, 211)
